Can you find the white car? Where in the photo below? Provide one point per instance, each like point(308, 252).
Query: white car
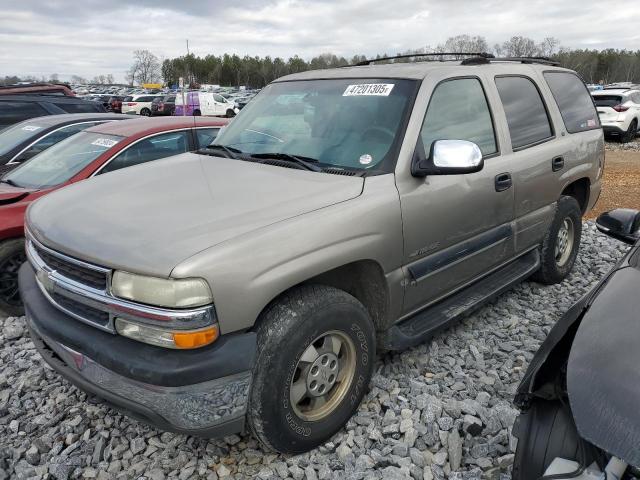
point(138, 104)
point(619, 111)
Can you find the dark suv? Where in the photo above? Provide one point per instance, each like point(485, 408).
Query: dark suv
point(16, 108)
point(163, 105)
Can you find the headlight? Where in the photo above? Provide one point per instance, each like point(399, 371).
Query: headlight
point(162, 292)
point(182, 339)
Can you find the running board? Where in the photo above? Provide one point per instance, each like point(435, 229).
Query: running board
point(424, 324)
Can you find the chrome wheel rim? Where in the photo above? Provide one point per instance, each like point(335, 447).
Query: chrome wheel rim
point(324, 373)
point(9, 292)
point(564, 242)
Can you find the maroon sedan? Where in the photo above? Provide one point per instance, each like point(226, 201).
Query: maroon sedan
point(94, 151)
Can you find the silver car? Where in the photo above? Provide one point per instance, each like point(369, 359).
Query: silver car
point(343, 212)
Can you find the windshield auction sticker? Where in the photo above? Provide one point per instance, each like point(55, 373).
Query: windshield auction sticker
point(104, 142)
point(369, 89)
point(31, 128)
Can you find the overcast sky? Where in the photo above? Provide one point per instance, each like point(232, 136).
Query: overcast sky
point(93, 37)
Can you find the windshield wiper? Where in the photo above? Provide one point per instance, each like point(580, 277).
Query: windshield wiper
point(305, 162)
point(230, 151)
point(8, 181)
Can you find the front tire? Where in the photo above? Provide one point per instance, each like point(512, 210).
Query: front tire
point(196, 113)
point(561, 243)
point(230, 114)
point(12, 257)
point(316, 353)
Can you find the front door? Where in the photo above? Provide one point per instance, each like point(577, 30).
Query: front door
point(456, 227)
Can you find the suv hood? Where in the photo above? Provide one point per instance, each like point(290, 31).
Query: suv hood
point(151, 217)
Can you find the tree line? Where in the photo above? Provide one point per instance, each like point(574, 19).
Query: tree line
point(595, 66)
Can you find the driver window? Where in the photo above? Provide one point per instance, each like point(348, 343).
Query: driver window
point(458, 110)
point(148, 149)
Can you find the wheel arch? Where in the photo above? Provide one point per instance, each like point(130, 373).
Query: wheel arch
point(363, 279)
point(580, 190)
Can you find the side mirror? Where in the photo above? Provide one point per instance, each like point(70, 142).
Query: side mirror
point(621, 224)
point(449, 157)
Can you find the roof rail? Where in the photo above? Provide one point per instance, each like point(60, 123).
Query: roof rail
point(479, 60)
point(414, 55)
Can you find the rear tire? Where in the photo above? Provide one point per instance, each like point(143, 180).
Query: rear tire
point(630, 134)
point(315, 358)
point(145, 112)
point(196, 113)
point(561, 243)
point(12, 256)
point(546, 431)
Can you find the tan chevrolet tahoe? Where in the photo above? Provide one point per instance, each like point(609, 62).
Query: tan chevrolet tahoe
point(343, 212)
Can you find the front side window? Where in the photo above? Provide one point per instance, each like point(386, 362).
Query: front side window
point(573, 100)
point(62, 161)
point(526, 114)
point(352, 123)
point(148, 149)
point(53, 138)
point(206, 136)
point(458, 110)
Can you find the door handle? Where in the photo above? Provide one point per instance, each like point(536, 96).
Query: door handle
point(503, 182)
point(557, 164)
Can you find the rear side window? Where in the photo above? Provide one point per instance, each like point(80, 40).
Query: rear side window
point(14, 112)
point(81, 107)
point(148, 149)
point(526, 114)
point(458, 110)
point(573, 100)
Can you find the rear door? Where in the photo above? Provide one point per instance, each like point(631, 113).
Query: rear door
point(456, 227)
point(537, 153)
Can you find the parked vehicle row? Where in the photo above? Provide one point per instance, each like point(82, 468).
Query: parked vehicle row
point(343, 212)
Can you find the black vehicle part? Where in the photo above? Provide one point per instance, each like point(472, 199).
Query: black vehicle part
point(546, 431)
point(428, 322)
point(603, 378)
point(230, 354)
point(289, 326)
point(418, 55)
point(12, 256)
point(551, 271)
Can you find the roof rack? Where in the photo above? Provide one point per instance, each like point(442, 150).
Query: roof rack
point(414, 55)
point(481, 60)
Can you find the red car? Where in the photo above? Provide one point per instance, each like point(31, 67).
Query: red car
point(94, 151)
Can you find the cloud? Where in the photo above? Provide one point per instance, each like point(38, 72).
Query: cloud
point(95, 37)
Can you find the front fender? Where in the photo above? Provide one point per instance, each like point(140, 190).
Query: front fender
point(248, 272)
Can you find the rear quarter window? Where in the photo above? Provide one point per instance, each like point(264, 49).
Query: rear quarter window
point(574, 101)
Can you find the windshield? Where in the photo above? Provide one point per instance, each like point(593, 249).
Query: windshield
point(353, 123)
point(62, 161)
point(14, 136)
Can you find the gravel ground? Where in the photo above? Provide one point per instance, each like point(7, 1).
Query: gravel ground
point(440, 410)
point(615, 146)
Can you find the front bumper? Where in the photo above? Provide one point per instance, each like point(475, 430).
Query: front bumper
point(201, 392)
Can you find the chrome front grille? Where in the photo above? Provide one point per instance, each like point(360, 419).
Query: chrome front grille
point(75, 271)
